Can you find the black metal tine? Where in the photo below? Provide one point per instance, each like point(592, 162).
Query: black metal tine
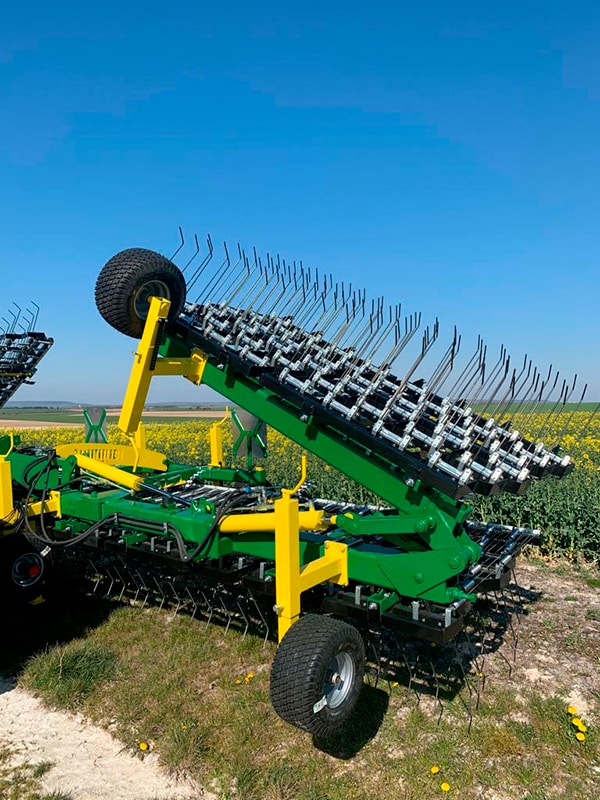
point(181, 243)
point(471, 367)
point(202, 266)
point(543, 429)
point(445, 365)
point(567, 423)
point(230, 280)
point(591, 416)
point(546, 400)
point(217, 276)
point(541, 396)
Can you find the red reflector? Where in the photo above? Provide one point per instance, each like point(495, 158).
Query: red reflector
point(33, 571)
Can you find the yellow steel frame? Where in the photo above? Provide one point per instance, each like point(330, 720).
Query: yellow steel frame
point(286, 519)
point(147, 364)
point(216, 441)
point(290, 579)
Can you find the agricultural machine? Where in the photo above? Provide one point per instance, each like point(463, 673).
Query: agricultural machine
point(313, 360)
point(22, 568)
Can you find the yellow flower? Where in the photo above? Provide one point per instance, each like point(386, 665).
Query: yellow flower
point(582, 727)
point(576, 721)
point(395, 684)
point(580, 736)
point(434, 770)
point(445, 787)
point(571, 710)
point(249, 677)
point(144, 746)
point(237, 681)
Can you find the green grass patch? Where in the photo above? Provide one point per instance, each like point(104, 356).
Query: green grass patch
point(200, 700)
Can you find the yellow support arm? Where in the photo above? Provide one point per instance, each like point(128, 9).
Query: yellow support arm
point(290, 579)
point(147, 364)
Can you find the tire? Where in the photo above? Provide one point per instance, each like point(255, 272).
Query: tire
point(23, 570)
point(317, 674)
point(126, 283)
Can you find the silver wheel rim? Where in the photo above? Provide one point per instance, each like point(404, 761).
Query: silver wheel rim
point(27, 570)
point(338, 679)
point(147, 290)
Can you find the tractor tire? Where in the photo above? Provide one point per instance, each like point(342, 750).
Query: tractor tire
point(128, 281)
point(317, 674)
point(23, 570)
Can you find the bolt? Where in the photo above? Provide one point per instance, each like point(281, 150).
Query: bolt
point(373, 606)
point(410, 482)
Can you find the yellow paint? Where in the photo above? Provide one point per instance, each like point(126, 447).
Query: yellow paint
point(50, 506)
point(265, 522)
point(6, 493)
point(141, 374)
point(216, 441)
point(108, 472)
point(290, 580)
point(124, 455)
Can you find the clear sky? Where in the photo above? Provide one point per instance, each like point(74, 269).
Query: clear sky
point(443, 154)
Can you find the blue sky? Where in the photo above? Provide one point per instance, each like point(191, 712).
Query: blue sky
point(442, 154)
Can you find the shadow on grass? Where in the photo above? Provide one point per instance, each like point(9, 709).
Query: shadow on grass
point(65, 615)
point(361, 728)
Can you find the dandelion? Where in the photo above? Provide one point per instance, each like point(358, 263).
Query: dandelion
point(445, 787)
point(144, 746)
point(249, 677)
point(576, 721)
point(580, 736)
point(571, 710)
point(395, 684)
point(237, 681)
point(434, 770)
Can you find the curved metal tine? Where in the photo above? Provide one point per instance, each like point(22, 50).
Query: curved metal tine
point(28, 314)
point(445, 365)
point(301, 284)
point(355, 310)
point(194, 254)
point(216, 277)
point(35, 319)
point(363, 335)
point(383, 330)
point(567, 423)
point(295, 277)
point(511, 391)
point(181, 243)
point(436, 682)
point(429, 338)
point(464, 378)
point(311, 303)
point(14, 316)
point(276, 281)
point(203, 264)
point(411, 326)
point(524, 402)
point(552, 413)
point(338, 310)
point(500, 372)
point(230, 280)
point(529, 415)
point(591, 416)
point(536, 433)
point(247, 298)
point(245, 269)
point(245, 618)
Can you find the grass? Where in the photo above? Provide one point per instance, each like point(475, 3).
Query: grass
point(24, 782)
point(184, 689)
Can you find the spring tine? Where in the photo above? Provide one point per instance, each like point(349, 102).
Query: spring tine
point(181, 243)
point(567, 423)
point(232, 279)
point(35, 319)
point(202, 266)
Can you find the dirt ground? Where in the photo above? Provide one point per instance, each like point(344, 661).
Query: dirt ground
point(553, 647)
point(88, 764)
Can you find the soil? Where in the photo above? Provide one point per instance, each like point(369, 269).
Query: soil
point(552, 647)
